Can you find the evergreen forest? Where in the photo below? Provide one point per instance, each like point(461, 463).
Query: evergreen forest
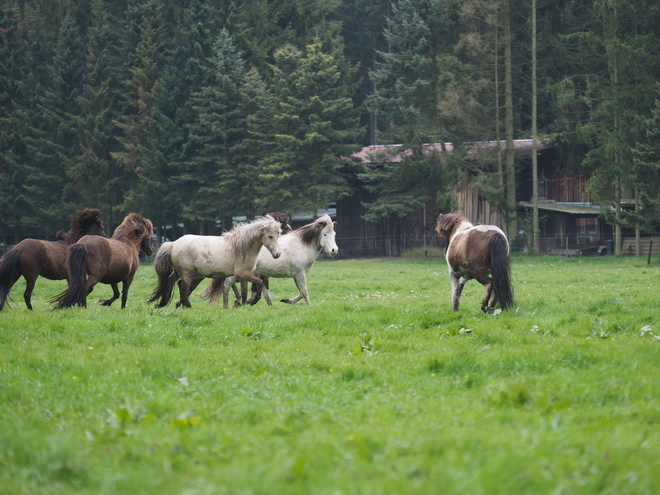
point(194, 112)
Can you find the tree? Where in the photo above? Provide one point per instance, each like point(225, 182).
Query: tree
point(212, 176)
point(313, 127)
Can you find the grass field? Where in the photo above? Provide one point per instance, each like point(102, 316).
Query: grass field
point(378, 388)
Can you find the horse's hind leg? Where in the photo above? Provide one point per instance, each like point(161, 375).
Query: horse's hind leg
point(301, 284)
point(115, 296)
point(184, 292)
point(487, 297)
point(457, 284)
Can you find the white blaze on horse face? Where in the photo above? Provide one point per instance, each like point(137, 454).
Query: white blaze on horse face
point(270, 240)
point(328, 241)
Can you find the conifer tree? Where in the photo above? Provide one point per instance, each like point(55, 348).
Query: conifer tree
point(314, 125)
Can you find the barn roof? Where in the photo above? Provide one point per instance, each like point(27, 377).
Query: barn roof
point(572, 208)
point(390, 152)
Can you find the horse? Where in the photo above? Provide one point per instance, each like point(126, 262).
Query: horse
point(300, 249)
point(283, 218)
point(194, 257)
point(472, 252)
point(96, 259)
point(33, 257)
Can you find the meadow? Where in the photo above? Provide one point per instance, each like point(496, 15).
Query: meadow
point(377, 388)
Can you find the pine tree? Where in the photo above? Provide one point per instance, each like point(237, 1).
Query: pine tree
point(212, 177)
point(314, 125)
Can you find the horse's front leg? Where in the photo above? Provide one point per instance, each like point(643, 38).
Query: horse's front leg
point(256, 293)
point(124, 291)
point(246, 277)
point(115, 296)
point(301, 284)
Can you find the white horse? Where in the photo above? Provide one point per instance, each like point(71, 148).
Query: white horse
point(232, 254)
point(300, 249)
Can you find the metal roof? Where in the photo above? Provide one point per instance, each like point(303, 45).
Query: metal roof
point(572, 208)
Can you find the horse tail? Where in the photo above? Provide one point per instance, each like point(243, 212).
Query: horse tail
point(9, 274)
point(214, 290)
point(167, 276)
point(76, 292)
point(500, 270)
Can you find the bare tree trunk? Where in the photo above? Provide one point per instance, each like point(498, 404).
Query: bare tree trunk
point(535, 171)
point(512, 227)
point(638, 247)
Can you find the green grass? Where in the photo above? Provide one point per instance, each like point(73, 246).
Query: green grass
point(377, 388)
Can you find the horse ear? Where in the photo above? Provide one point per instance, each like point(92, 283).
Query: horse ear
point(334, 224)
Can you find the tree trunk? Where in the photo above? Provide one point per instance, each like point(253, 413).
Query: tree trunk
point(535, 172)
point(512, 227)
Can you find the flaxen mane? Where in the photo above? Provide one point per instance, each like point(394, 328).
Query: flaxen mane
point(239, 237)
point(134, 227)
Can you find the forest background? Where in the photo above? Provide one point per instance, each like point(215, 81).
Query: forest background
point(191, 111)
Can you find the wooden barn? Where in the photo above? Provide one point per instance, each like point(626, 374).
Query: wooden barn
point(394, 235)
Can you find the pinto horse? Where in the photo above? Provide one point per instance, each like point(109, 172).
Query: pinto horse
point(193, 257)
point(96, 259)
point(472, 252)
point(299, 251)
point(33, 257)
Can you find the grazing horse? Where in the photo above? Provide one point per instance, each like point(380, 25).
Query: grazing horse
point(194, 257)
point(96, 259)
point(33, 257)
point(299, 251)
point(472, 252)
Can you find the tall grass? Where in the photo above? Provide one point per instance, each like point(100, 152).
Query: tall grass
point(376, 388)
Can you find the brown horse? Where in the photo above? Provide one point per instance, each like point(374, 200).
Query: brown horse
point(473, 252)
point(108, 261)
point(33, 257)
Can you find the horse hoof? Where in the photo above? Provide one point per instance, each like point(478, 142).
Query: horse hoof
point(286, 300)
point(177, 304)
point(105, 302)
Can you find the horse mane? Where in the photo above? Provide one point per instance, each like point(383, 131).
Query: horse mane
point(447, 223)
point(134, 227)
point(79, 224)
point(240, 237)
point(309, 234)
point(283, 218)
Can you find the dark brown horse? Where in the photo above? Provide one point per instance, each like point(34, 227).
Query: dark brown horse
point(476, 252)
point(96, 259)
point(33, 257)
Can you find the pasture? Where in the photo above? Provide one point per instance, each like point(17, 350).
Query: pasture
point(376, 388)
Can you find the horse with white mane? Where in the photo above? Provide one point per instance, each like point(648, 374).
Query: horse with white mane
point(472, 252)
point(300, 249)
point(234, 253)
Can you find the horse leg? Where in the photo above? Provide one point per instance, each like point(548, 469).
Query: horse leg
point(115, 296)
point(244, 298)
point(256, 293)
point(29, 287)
point(266, 291)
point(482, 277)
point(246, 277)
point(184, 292)
point(124, 291)
point(457, 284)
point(301, 283)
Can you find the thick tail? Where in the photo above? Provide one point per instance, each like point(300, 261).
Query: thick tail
point(167, 276)
point(500, 271)
point(9, 274)
point(76, 292)
point(214, 290)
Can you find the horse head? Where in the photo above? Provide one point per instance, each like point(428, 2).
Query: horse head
point(85, 222)
point(447, 224)
point(271, 230)
point(138, 231)
point(327, 235)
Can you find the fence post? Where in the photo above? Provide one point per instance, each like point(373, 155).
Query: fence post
point(648, 261)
